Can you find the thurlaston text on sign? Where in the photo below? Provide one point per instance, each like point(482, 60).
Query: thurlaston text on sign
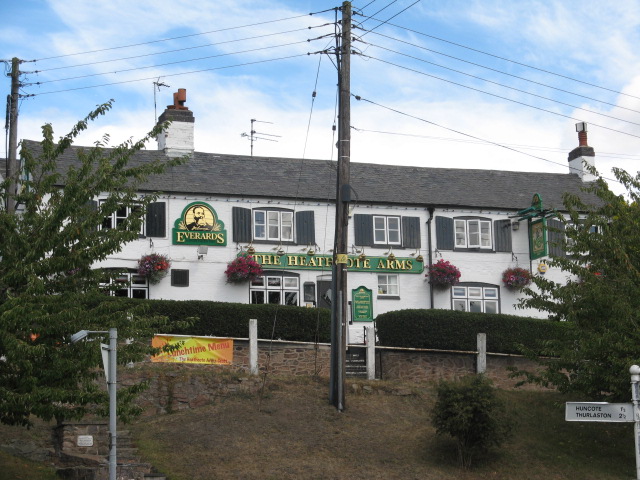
point(203, 350)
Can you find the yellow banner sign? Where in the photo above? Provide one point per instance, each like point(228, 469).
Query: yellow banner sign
point(204, 350)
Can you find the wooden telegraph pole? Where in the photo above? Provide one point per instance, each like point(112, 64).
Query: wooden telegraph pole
point(12, 160)
point(343, 197)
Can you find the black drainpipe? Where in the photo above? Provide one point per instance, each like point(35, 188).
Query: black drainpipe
point(429, 256)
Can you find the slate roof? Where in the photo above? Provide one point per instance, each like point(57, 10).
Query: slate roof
point(315, 180)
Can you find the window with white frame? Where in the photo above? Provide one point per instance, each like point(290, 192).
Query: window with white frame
point(473, 233)
point(131, 285)
point(386, 230)
point(388, 285)
point(273, 225)
point(472, 298)
point(120, 215)
point(276, 289)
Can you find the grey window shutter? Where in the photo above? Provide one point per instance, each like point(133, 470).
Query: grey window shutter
point(156, 220)
point(502, 235)
point(411, 232)
point(305, 228)
point(444, 233)
point(363, 230)
point(241, 218)
point(555, 238)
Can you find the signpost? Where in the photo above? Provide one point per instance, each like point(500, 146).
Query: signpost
point(598, 412)
point(612, 412)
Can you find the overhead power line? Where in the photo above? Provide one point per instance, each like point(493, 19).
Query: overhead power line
point(181, 36)
point(503, 85)
point(504, 73)
point(180, 49)
point(628, 156)
point(359, 98)
point(499, 96)
point(167, 75)
point(417, 32)
point(168, 63)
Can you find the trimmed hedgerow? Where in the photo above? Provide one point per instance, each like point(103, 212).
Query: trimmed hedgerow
point(222, 319)
point(452, 330)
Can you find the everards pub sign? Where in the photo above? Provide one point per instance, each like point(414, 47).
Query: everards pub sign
point(199, 225)
point(324, 262)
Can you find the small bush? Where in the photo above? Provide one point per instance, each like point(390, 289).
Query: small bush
point(469, 411)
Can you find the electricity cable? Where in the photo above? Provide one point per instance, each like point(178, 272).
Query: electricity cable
point(179, 49)
point(503, 85)
point(359, 98)
point(501, 97)
point(169, 63)
point(510, 60)
point(169, 75)
point(181, 36)
point(504, 73)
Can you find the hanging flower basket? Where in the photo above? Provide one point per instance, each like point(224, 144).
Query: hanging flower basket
point(154, 267)
point(516, 278)
point(443, 273)
point(242, 269)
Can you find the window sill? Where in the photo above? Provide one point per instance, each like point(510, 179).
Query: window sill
point(388, 297)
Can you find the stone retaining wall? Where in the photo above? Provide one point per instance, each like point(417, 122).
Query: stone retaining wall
point(175, 387)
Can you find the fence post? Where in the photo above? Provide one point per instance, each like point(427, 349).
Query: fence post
point(481, 363)
point(370, 335)
point(253, 346)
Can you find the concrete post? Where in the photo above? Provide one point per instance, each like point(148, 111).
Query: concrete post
point(481, 364)
point(370, 335)
point(253, 346)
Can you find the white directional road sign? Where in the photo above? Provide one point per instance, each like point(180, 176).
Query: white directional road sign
point(598, 412)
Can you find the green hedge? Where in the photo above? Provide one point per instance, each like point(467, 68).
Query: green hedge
point(452, 330)
point(222, 319)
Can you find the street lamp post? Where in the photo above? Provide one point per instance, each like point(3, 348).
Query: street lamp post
point(111, 374)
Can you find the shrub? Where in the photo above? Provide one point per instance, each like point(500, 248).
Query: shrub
point(453, 330)
point(223, 319)
point(469, 411)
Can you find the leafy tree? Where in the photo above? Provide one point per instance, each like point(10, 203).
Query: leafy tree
point(50, 287)
point(469, 411)
point(600, 300)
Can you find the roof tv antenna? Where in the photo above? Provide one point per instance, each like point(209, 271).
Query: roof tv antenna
point(156, 86)
point(253, 136)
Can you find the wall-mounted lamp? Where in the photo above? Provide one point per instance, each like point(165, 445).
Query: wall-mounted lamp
point(362, 256)
point(250, 250)
point(515, 226)
point(279, 250)
point(390, 255)
point(202, 251)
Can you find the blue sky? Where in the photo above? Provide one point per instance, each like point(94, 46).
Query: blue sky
point(433, 65)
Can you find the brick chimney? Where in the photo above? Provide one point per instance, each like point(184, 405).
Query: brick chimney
point(177, 140)
point(582, 155)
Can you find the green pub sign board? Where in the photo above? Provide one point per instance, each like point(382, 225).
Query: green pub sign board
point(324, 262)
point(538, 238)
point(199, 225)
point(362, 304)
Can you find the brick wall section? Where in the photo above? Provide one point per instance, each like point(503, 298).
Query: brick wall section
point(174, 387)
point(421, 366)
